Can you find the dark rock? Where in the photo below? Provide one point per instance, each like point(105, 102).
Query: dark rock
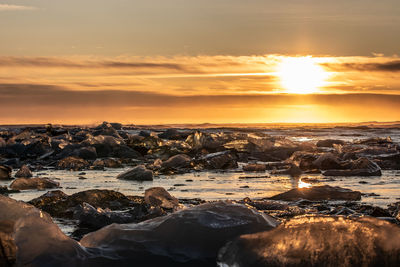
point(317, 241)
point(24, 172)
point(159, 197)
point(87, 153)
point(255, 168)
point(33, 183)
point(8, 250)
point(330, 143)
point(5, 191)
point(220, 160)
point(170, 134)
point(126, 152)
point(59, 204)
point(72, 163)
point(360, 167)
point(293, 171)
point(315, 193)
point(138, 173)
point(107, 163)
point(5, 172)
point(177, 161)
point(190, 237)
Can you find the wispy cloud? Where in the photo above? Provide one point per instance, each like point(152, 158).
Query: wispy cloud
point(6, 7)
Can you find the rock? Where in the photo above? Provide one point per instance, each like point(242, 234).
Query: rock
point(138, 173)
point(327, 161)
point(330, 142)
point(59, 204)
point(177, 161)
point(255, 168)
point(159, 197)
point(24, 172)
point(107, 163)
point(220, 160)
point(33, 183)
point(317, 241)
point(316, 193)
point(293, 171)
point(94, 219)
point(199, 140)
point(359, 167)
point(123, 151)
point(5, 172)
point(72, 163)
point(87, 153)
point(170, 134)
point(8, 250)
point(5, 191)
point(189, 237)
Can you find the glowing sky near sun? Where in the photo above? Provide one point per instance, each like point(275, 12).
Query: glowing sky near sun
point(188, 61)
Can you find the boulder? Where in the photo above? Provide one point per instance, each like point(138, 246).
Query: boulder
point(328, 161)
point(24, 172)
point(317, 193)
point(59, 204)
point(255, 168)
point(190, 237)
point(87, 153)
point(33, 183)
point(293, 171)
point(138, 173)
point(159, 197)
point(330, 142)
point(359, 167)
point(107, 163)
point(72, 163)
point(317, 241)
point(177, 161)
point(219, 160)
point(5, 172)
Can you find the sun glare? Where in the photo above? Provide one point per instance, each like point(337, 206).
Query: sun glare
point(301, 75)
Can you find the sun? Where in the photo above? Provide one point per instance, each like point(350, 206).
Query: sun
point(301, 75)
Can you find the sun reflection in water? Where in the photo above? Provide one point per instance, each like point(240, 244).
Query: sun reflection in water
point(303, 184)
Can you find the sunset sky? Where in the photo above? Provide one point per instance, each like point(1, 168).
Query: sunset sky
point(191, 61)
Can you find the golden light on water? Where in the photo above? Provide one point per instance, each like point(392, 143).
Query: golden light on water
point(303, 184)
point(301, 75)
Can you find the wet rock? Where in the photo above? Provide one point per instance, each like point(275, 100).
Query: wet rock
point(316, 193)
point(87, 153)
point(159, 197)
point(8, 250)
point(330, 142)
point(219, 160)
point(94, 219)
point(138, 173)
point(5, 191)
point(170, 134)
point(293, 171)
point(59, 204)
point(359, 167)
point(177, 161)
point(255, 168)
point(199, 140)
point(107, 163)
point(33, 183)
point(317, 241)
point(5, 172)
point(328, 161)
point(123, 151)
point(72, 163)
point(24, 172)
point(190, 237)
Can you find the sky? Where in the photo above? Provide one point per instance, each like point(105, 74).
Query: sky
point(186, 61)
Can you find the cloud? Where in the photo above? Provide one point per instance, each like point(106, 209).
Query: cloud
point(389, 66)
point(6, 7)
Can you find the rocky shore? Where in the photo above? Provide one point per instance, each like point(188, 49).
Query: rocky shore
point(293, 228)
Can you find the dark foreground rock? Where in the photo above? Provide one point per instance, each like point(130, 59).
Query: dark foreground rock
point(72, 163)
point(316, 193)
point(189, 237)
point(317, 241)
point(138, 173)
point(33, 183)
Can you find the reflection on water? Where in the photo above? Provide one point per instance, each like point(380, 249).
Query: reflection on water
point(219, 185)
point(302, 184)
